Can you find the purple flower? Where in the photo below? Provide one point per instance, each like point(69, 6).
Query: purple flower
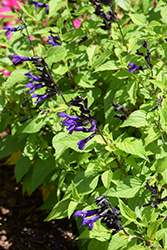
point(18, 58)
point(134, 67)
point(9, 30)
point(82, 143)
point(41, 5)
point(40, 97)
point(89, 221)
point(75, 123)
point(105, 211)
point(34, 78)
point(34, 87)
point(55, 41)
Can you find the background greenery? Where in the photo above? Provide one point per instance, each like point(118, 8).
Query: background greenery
point(43, 150)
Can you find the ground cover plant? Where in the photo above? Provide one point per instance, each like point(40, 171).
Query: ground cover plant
point(83, 91)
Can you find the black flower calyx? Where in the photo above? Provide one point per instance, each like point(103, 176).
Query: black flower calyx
point(119, 107)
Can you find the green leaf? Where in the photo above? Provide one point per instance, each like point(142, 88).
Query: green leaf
point(55, 54)
point(124, 4)
point(164, 14)
point(71, 208)
point(59, 211)
point(160, 165)
point(85, 182)
point(56, 142)
point(97, 245)
point(91, 52)
point(153, 227)
point(41, 169)
point(127, 188)
point(60, 70)
point(34, 124)
point(160, 233)
point(8, 145)
point(132, 89)
point(110, 65)
point(117, 242)
point(83, 81)
point(22, 167)
point(133, 146)
point(152, 135)
point(163, 115)
point(106, 178)
point(41, 50)
point(127, 212)
point(100, 233)
point(55, 5)
point(25, 9)
point(138, 19)
point(72, 140)
point(100, 59)
point(137, 119)
point(17, 76)
point(75, 194)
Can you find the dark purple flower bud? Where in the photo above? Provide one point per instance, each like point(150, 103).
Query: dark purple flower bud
point(139, 53)
point(9, 30)
point(41, 5)
point(18, 58)
point(83, 39)
point(27, 118)
point(154, 108)
point(153, 190)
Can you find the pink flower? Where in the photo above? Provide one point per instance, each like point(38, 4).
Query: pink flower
point(44, 24)
point(9, 36)
point(4, 9)
point(77, 23)
point(31, 38)
point(5, 72)
point(11, 3)
point(86, 16)
point(155, 3)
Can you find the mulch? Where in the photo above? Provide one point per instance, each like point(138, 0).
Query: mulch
point(23, 225)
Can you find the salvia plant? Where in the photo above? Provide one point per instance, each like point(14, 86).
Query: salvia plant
point(83, 91)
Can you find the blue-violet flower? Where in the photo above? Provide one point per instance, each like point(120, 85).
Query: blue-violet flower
point(9, 30)
point(80, 122)
point(41, 5)
point(105, 211)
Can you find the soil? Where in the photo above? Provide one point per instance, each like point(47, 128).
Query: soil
point(23, 225)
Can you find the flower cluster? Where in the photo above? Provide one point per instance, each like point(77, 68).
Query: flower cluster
point(41, 5)
point(44, 80)
point(147, 57)
point(119, 107)
point(108, 214)
point(107, 17)
point(154, 195)
point(79, 122)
